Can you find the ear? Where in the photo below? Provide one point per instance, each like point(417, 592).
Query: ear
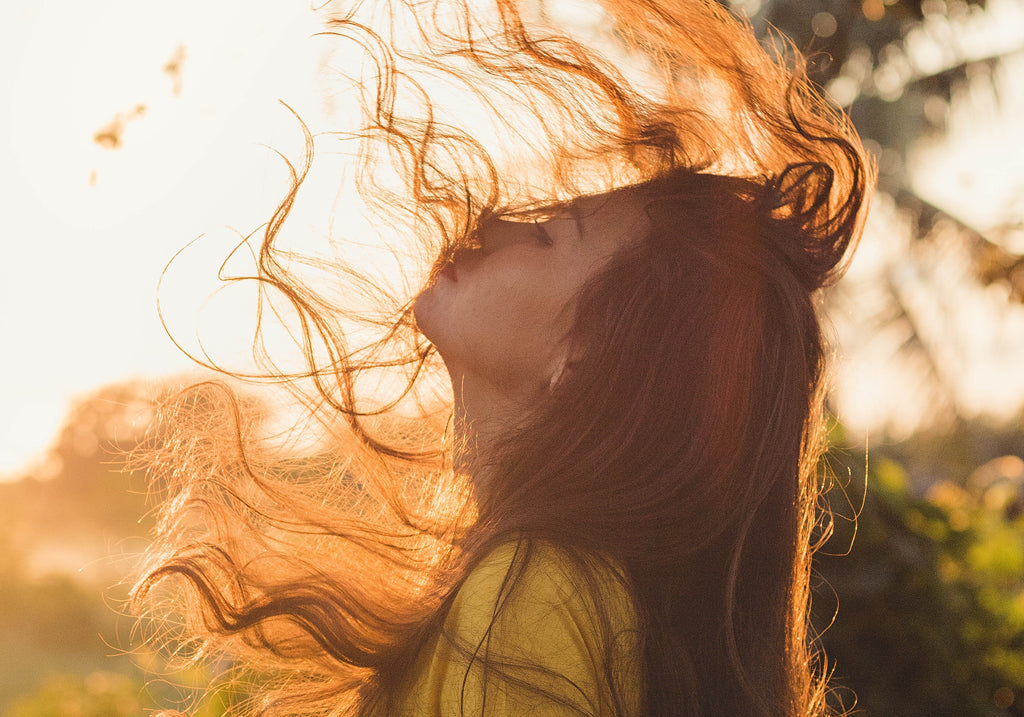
point(559, 371)
point(565, 359)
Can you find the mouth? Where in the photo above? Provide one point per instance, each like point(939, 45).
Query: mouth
point(450, 272)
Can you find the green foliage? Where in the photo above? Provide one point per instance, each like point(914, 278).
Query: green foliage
point(49, 623)
point(930, 597)
point(111, 694)
point(100, 694)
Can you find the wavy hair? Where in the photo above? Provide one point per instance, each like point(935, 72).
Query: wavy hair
point(681, 443)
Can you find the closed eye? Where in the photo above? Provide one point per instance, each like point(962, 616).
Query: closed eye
point(542, 234)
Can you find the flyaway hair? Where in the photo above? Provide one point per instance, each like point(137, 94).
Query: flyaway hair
point(682, 445)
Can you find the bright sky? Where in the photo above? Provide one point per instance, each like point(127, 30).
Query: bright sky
point(89, 229)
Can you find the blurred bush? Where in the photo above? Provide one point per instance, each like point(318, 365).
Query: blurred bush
point(107, 694)
point(930, 595)
point(99, 694)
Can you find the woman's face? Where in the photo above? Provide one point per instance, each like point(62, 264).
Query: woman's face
point(499, 315)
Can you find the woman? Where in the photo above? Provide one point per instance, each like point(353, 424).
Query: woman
point(628, 322)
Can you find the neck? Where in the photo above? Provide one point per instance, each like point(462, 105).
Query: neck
point(482, 417)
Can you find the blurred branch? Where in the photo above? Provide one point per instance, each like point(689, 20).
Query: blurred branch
point(993, 263)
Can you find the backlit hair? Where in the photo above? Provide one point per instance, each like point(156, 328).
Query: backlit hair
point(681, 441)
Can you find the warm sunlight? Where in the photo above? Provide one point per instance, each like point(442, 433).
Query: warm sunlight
point(129, 133)
point(637, 390)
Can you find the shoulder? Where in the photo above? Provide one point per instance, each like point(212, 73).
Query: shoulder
point(524, 581)
point(535, 629)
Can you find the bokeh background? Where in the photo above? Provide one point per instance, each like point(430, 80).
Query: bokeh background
point(131, 129)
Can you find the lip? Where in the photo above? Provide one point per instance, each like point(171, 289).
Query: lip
point(450, 272)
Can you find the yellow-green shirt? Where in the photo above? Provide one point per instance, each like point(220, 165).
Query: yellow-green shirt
point(547, 639)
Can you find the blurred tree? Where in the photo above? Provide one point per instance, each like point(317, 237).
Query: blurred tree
point(897, 67)
point(930, 594)
point(70, 532)
point(65, 532)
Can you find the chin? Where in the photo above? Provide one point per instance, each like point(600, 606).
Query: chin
point(427, 312)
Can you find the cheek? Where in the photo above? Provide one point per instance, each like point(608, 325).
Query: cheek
point(524, 306)
point(502, 325)
point(520, 331)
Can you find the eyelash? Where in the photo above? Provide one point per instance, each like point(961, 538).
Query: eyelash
point(543, 234)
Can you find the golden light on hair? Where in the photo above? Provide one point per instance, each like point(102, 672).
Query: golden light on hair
point(329, 573)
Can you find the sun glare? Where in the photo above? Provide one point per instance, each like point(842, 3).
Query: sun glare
point(129, 132)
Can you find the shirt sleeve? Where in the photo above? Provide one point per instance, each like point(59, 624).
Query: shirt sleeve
point(545, 652)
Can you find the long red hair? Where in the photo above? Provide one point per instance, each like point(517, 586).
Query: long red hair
point(681, 443)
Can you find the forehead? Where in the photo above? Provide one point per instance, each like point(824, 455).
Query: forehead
point(610, 219)
point(618, 203)
point(603, 222)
